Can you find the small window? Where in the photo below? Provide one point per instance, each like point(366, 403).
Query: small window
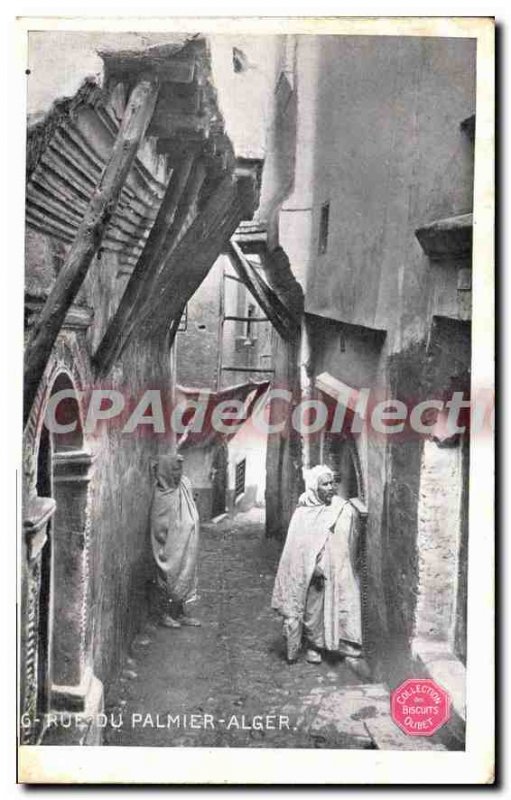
point(239, 478)
point(251, 312)
point(323, 228)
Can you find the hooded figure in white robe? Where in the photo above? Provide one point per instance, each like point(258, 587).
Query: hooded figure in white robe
point(316, 587)
point(174, 539)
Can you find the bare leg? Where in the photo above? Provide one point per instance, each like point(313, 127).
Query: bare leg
point(167, 615)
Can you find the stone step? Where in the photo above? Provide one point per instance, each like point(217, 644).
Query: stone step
point(358, 717)
point(340, 715)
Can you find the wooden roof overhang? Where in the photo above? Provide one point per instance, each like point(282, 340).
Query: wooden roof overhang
point(171, 233)
point(278, 294)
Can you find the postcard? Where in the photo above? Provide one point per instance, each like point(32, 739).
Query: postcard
point(256, 525)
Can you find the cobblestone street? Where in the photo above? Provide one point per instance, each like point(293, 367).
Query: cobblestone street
point(233, 665)
point(233, 668)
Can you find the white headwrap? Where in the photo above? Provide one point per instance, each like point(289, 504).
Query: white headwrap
point(311, 477)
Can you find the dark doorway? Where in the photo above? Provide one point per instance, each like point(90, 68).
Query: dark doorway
point(339, 453)
point(219, 481)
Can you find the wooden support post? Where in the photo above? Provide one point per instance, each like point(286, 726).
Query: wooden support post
point(171, 335)
point(193, 257)
point(148, 265)
point(234, 318)
point(137, 117)
point(262, 293)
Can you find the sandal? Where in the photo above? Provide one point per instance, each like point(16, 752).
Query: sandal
point(313, 657)
point(191, 621)
point(169, 622)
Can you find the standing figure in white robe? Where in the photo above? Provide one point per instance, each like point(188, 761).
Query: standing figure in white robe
point(174, 540)
point(317, 590)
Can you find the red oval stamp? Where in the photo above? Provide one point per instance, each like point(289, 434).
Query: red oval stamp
point(420, 706)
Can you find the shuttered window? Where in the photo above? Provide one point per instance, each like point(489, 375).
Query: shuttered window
point(239, 480)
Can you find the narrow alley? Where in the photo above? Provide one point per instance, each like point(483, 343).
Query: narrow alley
point(249, 358)
point(233, 668)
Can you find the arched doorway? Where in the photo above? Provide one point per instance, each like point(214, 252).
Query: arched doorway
point(56, 674)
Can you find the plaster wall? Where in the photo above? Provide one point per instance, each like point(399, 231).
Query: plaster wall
point(196, 348)
point(248, 444)
point(377, 136)
point(388, 159)
point(198, 462)
point(358, 129)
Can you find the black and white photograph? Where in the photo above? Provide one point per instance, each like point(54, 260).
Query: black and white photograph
point(257, 459)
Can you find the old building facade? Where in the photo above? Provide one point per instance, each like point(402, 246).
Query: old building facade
point(132, 192)
point(367, 202)
point(224, 345)
point(146, 269)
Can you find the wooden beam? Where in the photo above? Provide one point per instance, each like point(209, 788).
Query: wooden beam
point(184, 98)
point(233, 278)
point(279, 275)
point(267, 300)
point(173, 329)
point(245, 319)
point(168, 66)
point(148, 264)
point(168, 122)
point(186, 206)
point(246, 369)
point(87, 241)
point(199, 248)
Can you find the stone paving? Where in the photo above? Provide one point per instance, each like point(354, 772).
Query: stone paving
point(227, 684)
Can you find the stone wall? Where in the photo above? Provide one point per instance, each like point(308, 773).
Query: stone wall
point(438, 542)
